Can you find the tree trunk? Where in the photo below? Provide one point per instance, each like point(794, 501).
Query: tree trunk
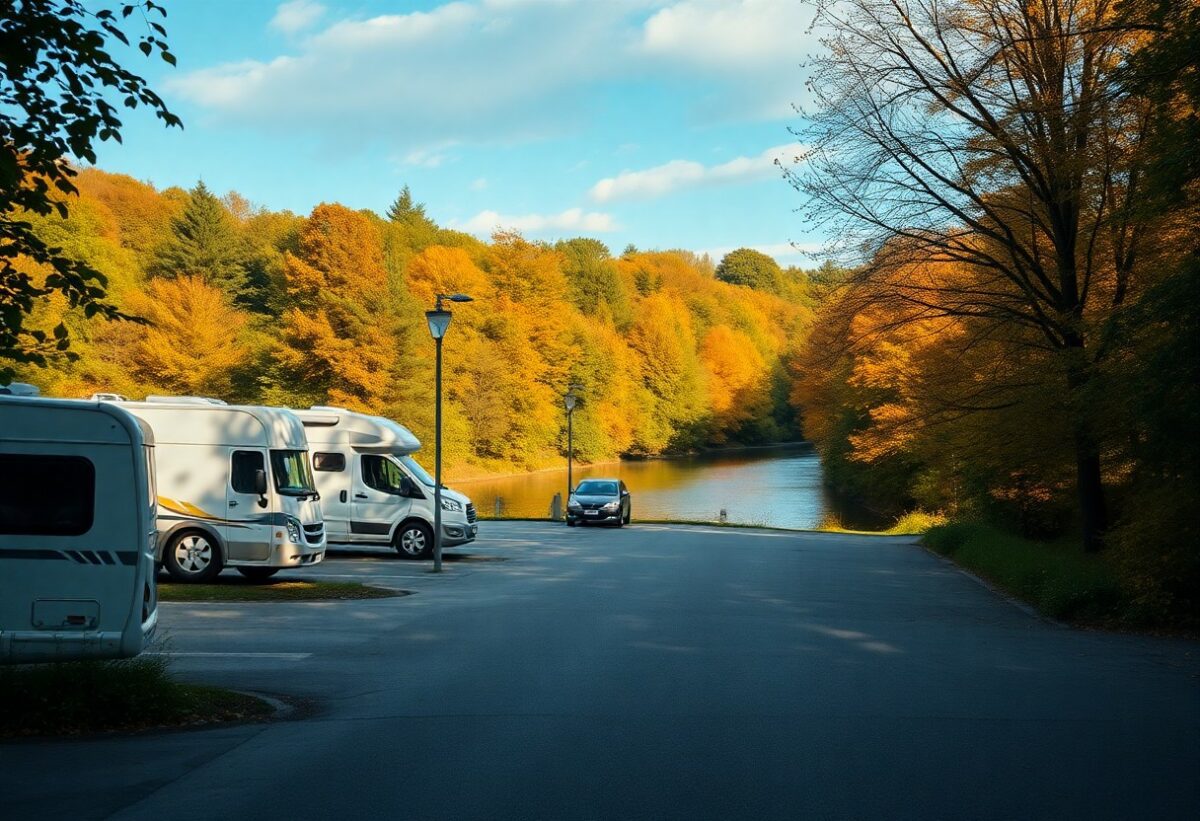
point(1093, 512)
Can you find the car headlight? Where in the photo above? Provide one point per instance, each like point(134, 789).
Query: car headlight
point(451, 504)
point(573, 504)
point(612, 505)
point(293, 530)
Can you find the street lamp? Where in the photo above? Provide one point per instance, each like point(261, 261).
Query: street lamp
point(439, 323)
point(569, 401)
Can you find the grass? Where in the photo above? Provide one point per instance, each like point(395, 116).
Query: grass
point(87, 697)
point(1056, 578)
point(243, 590)
point(910, 524)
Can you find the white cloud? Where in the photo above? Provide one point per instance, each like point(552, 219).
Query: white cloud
point(732, 34)
point(296, 15)
point(479, 184)
point(424, 158)
point(501, 71)
point(676, 175)
point(472, 71)
point(573, 219)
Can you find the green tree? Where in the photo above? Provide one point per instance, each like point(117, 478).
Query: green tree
point(593, 279)
point(55, 73)
point(206, 243)
point(751, 268)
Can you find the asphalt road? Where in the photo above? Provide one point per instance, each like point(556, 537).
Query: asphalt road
point(653, 672)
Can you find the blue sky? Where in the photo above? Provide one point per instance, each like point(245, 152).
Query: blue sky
point(652, 122)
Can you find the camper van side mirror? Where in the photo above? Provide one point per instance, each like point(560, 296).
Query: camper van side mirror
point(408, 488)
point(260, 483)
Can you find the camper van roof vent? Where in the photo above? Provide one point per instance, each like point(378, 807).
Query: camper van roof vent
point(320, 419)
point(20, 389)
point(109, 397)
point(328, 409)
point(186, 400)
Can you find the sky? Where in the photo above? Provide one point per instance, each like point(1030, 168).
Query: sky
point(655, 123)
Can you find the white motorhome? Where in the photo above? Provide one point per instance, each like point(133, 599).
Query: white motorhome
point(234, 488)
point(372, 489)
point(77, 531)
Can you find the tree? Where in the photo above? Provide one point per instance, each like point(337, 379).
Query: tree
point(405, 210)
point(206, 243)
point(592, 277)
point(993, 134)
point(57, 72)
point(751, 268)
point(193, 344)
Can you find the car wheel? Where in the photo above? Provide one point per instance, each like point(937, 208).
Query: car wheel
point(258, 574)
point(629, 515)
point(570, 523)
point(193, 557)
point(414, 540)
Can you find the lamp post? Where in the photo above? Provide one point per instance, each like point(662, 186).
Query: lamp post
point(569, 400)
point(439, 322)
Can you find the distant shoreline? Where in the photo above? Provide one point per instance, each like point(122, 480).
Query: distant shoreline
point(800, 445)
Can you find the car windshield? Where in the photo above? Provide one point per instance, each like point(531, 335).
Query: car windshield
point(292, 474)
point(416, 470)
point(595, 488)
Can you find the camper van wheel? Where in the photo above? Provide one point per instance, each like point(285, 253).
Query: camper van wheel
point(192, 556)
point(414, 540)
point(258, 574)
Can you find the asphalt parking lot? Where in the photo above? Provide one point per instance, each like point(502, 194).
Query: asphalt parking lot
point(652, 672)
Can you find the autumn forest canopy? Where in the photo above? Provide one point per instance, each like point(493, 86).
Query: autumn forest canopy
point(1009, 187)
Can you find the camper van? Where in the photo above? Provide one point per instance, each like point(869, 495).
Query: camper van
point(234, 488)
point(373, 492)
point(77, 531)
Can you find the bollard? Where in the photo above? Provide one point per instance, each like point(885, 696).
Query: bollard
point(724, 516)
point(556, 511)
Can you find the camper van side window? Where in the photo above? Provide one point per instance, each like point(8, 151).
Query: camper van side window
point(46, 495)
point(334, 462)
point(245, 462)
point(381, 474)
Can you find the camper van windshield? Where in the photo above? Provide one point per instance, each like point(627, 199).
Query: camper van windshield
point(416, 470)
point(292, 474)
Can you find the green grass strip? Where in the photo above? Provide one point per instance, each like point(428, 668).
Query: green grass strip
point(87, 697)
point(1056, 578)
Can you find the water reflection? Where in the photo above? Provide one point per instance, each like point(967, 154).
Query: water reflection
point(777, 487)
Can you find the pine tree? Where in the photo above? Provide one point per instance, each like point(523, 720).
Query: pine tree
point(205, 242)
point(405, 210)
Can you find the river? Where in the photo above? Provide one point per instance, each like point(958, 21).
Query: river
point(774, 487)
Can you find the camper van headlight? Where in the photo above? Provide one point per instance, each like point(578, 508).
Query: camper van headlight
point(293, 529)
point(451, 504)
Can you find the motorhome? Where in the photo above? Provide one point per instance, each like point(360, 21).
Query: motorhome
point(77, 531)
point(373, 492)
point(235, 488)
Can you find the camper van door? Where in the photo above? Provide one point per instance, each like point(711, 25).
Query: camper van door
point(379, 498)
point(247, 520)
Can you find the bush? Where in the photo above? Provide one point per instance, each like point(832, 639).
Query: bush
point(1058, 579)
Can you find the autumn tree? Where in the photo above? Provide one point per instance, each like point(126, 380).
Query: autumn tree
point(57, 72)
point(594, 282)
point(993, 134)
point(340, 340)
point(193, 343)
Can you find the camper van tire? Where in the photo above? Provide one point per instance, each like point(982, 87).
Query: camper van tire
point(193, 556)
point(258, 574)
point(414, 539)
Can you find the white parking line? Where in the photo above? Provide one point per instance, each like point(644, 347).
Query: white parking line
point(284, 656)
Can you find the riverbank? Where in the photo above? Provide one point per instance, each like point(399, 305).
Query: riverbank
point(465, 476)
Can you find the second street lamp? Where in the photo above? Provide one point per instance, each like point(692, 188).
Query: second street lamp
point(439, 323)
point(569, 401)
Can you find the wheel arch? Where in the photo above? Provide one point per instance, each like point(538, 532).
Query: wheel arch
point(165, 537)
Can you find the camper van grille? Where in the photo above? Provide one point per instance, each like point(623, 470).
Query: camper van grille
point(471, 516)
point(314, 533)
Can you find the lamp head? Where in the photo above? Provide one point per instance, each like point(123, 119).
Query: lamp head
point(439, 321)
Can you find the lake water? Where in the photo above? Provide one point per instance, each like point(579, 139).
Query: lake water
point(776, 487)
